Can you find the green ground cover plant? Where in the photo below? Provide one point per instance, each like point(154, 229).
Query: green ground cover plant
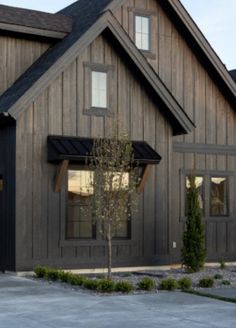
point(168, 284)
point(146, 283)
point(185, 283)
point(206, 282)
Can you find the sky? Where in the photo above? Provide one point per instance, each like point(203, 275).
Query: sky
point(215, 18)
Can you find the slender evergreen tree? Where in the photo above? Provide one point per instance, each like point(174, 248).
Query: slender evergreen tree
point(193, 251)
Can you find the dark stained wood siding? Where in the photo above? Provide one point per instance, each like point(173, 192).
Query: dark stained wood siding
point(7, 198)
point(189, 82)
point(59, 110)
point(16, 55)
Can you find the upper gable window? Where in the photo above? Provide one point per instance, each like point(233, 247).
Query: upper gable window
point(142, 32)
point(99, 89)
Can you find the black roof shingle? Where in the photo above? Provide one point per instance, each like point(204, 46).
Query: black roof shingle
point(35, 19)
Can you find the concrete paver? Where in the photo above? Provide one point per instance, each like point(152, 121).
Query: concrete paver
point(31, 303)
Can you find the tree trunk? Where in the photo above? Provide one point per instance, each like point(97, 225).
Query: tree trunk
point(109, 244)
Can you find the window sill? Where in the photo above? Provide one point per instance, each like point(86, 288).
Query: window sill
point(148, 54)
point(92, 242)
point(97, 111)
point(212, 219)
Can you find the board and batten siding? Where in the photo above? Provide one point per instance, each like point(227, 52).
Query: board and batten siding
point(40, 212)
point(215, 120)
point(16, 56)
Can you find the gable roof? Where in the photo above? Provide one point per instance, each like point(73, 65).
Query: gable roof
point(14, 19)
point(88, 25)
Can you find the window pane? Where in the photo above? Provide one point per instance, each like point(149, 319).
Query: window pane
point(142, 32)
point(145, 42)
point(138, 40)
point(99, 89)
point(145, 25)
point(79, 216)
point(199, 183)
point(218, 196)
point(138, 24)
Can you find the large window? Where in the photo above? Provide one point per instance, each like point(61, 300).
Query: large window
point(80, 223)
point(99, 89)
point(142, 32)
point(213, 194)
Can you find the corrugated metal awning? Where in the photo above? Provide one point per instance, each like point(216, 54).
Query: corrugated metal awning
point(77, 149)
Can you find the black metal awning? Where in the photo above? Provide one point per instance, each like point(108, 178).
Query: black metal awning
point(76, 149)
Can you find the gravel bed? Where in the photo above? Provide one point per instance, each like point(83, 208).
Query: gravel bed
point(228, 274)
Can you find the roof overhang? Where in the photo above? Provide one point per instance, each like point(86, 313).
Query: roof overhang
point(77, 149)
point(31, 31)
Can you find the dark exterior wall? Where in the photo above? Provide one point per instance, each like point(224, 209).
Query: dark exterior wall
point(16, 55)
point(40, 212)
point(215, 121)
point(7, 198)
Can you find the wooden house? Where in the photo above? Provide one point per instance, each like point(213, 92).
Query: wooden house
point(64, 79)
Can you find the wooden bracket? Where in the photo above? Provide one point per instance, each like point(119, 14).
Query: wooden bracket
point(60, 175)
point(145, 174)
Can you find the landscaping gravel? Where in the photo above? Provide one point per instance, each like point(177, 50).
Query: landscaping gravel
point(227, 274)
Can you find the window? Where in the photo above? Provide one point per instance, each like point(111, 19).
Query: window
point(99, 85)
point(99, 89)
point(79, 217)
point(214, 192)
point(80, 223)
point(142, 32)
point(219, 196)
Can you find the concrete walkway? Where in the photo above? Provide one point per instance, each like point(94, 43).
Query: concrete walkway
point(229, 292)
point(26, 303)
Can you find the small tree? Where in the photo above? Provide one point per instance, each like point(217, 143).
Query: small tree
point(114, 185)
point(193, 251)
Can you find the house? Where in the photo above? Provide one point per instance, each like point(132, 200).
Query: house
point(64, 78)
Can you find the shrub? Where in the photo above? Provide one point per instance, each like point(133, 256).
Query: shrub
point(40, 271)
point(185, 283)
point(106, 286)
point(124, 287)
point(75, 280)
point(206, 282)
point(168, 284)
point(146, 284)
point(218, 276)
point(222, 264)
point(193, 253)
point(91, 284)
point(226, 283)
point(52, 274)
point(63, 276)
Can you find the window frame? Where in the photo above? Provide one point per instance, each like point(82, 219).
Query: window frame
point(134, 12)
point(136, 15)
point(88, 109)
point(207, 175)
